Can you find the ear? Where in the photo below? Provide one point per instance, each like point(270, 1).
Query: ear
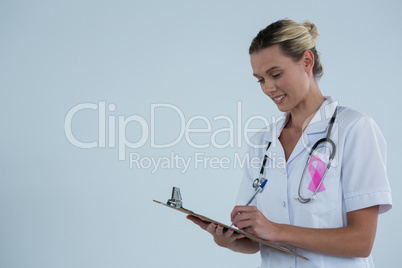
point(308, 60)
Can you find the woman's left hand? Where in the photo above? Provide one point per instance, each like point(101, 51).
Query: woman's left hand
point(252, 221)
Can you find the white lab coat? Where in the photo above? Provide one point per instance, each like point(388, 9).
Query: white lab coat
point(357, 179)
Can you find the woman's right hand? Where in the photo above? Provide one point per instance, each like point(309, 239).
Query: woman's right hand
point(224, 238)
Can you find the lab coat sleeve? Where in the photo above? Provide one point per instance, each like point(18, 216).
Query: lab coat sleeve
point(364, 178)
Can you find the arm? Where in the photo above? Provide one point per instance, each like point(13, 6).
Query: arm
point(354, 240)
point(228, 239)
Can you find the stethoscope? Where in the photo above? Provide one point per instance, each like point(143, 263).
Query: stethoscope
point(260, 182)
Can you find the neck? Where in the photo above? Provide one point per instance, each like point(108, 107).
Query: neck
point(302, 114)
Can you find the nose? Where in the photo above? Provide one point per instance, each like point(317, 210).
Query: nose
point(268, 88)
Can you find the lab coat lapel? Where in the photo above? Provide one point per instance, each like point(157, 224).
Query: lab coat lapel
point(318, 124)
point(276, 149)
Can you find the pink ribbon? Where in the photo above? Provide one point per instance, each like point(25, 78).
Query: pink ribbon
point(316, 167)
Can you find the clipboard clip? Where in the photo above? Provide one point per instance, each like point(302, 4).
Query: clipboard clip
point(176, 200)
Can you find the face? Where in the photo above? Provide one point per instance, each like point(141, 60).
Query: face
point(282, 79)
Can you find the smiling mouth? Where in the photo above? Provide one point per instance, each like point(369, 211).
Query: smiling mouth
point(279, 98)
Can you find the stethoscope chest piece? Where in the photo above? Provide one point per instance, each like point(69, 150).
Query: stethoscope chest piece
point(258, 182)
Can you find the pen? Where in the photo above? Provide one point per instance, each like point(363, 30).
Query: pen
point(259, 189)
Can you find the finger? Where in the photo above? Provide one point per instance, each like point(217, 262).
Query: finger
point(219, 230)
point(234, 212)
point(247, 226)
point(229, 233)
point(211, 228)
point(241, 209)
point(239, 236)
point(243, 216)
point(249, 230)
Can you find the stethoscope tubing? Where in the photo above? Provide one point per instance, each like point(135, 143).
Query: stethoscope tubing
point(260, 181)
point(331, 157)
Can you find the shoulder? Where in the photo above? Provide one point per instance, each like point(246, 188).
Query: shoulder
point(351, 119)
point(348, 115)
point(360, 126)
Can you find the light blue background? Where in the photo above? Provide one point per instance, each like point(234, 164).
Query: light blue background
point(62, 206)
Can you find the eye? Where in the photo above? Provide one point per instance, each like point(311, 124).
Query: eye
point(260, 81)
point(276, 75)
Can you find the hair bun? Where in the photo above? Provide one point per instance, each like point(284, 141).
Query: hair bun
point(312, 29)
point(293, 38)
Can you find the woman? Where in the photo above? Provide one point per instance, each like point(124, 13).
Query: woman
point(333, 223)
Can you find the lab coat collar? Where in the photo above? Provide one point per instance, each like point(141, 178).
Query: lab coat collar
point(321, 119)
point(318, 124)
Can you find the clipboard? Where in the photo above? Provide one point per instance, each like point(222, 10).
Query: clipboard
point(252, 237)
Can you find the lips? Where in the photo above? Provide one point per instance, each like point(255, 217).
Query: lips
point(279, 99)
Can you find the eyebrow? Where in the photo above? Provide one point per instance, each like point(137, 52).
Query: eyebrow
point(267, 71)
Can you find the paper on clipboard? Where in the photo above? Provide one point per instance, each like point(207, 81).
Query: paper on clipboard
point(252, 237)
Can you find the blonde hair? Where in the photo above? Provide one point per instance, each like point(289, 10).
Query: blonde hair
point(293, 39)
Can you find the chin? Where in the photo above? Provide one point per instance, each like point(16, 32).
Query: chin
point(283, 109)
